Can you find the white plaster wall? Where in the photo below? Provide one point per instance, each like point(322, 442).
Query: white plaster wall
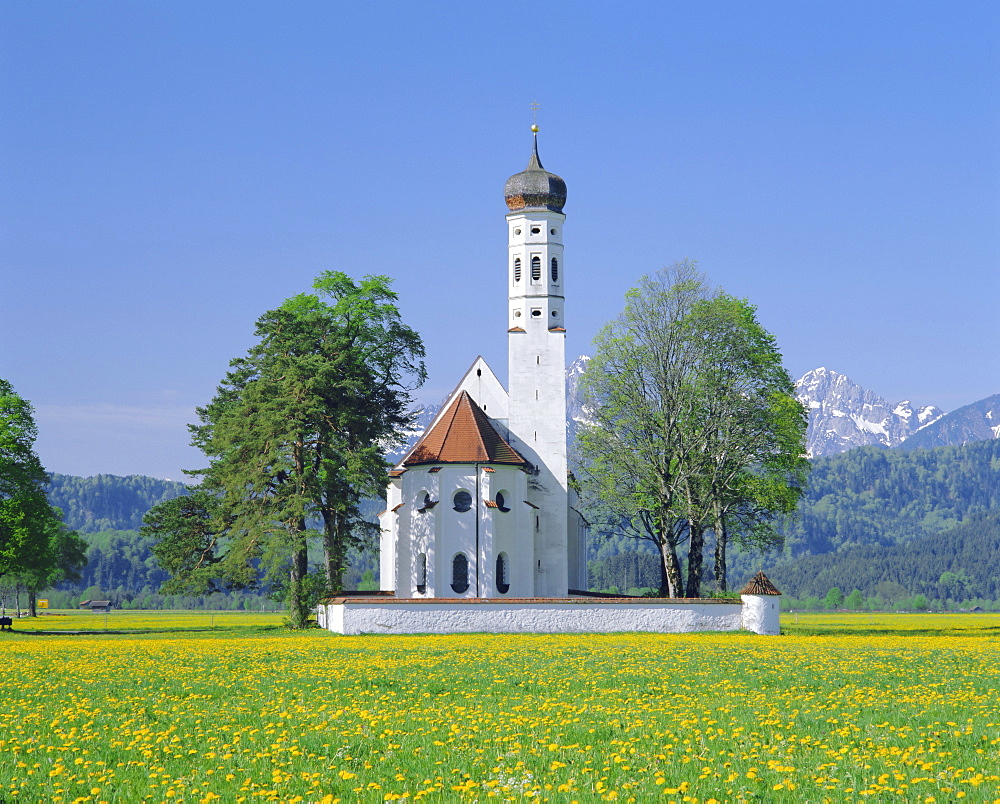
point(486, 391)
point(762, 614)
point(537, 388)
point(456, 530)
point(389, 526)
point(385, 617)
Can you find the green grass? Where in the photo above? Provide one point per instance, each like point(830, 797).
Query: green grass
point(841, 707)
point(144, 621)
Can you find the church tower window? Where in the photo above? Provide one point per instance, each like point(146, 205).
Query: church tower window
point(460, 574)
point(517, 269)
point(555, 270)
point(503, 577)
point(536, 268)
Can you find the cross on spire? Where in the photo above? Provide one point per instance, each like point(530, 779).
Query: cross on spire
point(535, 106)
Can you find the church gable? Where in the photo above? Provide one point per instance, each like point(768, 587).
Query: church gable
point(463, 434)
point(484, 387)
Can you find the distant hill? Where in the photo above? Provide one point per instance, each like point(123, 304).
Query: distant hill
point(108, 502)
point(976, 422)
point(960, 563)
point(877, 496)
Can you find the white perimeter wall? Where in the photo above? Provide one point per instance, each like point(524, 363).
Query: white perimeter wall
point(541, 617)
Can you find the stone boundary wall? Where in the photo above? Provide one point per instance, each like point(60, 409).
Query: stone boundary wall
point(387, 615)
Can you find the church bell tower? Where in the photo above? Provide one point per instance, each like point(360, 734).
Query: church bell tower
point(537, 358)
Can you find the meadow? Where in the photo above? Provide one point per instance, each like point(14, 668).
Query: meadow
point(200, 707)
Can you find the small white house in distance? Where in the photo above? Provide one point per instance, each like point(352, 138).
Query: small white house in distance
point(480, 532)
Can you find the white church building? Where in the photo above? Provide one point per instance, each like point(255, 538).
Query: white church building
point(480, 532)
point(480, 507)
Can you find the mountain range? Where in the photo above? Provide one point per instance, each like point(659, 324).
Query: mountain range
point(844, 415)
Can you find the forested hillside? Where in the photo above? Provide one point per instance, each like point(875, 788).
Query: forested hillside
point(877, 496)
point(962, 563)
point(858, 501)
point(868, 496)
point(108, 502)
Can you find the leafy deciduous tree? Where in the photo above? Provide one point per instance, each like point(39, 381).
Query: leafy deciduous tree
point(694, 424)
point(36, 549)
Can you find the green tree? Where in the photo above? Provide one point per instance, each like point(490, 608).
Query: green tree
point(36, 549)
point(855, 601)
point(185, 532)
point(298, 429)
point(632, 458)
point(748, 432)
point(834, 598)
point(694, 425)
point(24, 510)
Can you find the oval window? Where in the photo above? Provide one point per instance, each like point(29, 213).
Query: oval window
point(536, 268)
point(501, 501)
point(555, 270)
point(517, 269)
point(462, 501)
point(460, 574)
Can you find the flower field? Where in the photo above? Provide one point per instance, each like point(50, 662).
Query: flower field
point(840, 708)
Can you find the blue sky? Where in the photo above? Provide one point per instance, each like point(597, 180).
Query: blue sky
point(171, 170)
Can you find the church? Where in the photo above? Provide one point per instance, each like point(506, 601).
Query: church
point(481, 531)
point(481, 507)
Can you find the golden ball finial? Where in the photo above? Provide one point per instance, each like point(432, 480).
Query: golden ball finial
point(534, 127)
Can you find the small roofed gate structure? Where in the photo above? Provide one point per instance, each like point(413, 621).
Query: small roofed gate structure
point(761, 612)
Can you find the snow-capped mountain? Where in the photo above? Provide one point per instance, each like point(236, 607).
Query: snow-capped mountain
point(423, 418)
point(979, 421)
point(843, 415)
point(576, 413)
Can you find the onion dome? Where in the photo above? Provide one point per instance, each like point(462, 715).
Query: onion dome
point(534, 187)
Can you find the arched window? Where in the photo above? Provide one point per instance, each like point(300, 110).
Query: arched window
point(422, 573)
point(501, 501)
point(462, 501)
point(517, 269)
point(536, 268)
point(503, 578)
point(555, 270)
point(460, 574)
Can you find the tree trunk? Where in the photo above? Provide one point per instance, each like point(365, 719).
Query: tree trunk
point(17, 600)
point(665, 589)
point(32, 602)
point(299, 604)
point(695, 548)
point(670, 580)
point(334, 552)
point(721, 538)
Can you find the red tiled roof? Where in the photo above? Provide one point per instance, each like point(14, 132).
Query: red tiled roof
point(463, 434)
point(760, 584)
